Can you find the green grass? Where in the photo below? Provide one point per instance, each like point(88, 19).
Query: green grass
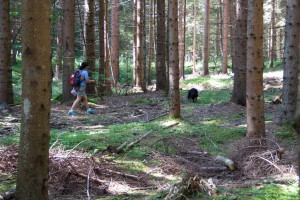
point(266, 192)
point(8, 182)
point(287, 133)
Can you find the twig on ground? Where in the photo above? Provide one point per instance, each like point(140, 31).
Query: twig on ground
point(202, 168)
point(250, 183)
point(88, 183)
point(139, 139)
point(122, 146)
point(9, 147)
point(195, 152)
point(56, 141)
point(123, 174)
point(76, 173)
point(269, 162)
point(157, 117)
point(212, 141)
point(79, 144)
point(171, 125)
point(229, 163)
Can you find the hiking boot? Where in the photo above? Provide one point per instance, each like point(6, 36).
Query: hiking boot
point(71, 112)
point(90, 111)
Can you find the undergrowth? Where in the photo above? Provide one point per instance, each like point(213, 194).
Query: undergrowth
point(212, 136)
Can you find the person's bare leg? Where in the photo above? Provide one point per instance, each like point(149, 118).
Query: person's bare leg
point(85, 102)
point(76, 102)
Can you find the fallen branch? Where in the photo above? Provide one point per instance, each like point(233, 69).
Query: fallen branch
point(120, 148)
point(195, 152)
point(9, 147)
point(79, 144)
point(123, 174)
point(278, 152)
point(171, 125)
point(95, 180)
point(202, 168)
point(157, 117)
point(250, 183)
point(270, 163)
point(139, 139)
point(229, 163)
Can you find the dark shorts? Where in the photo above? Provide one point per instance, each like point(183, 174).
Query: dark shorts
point(81, 91)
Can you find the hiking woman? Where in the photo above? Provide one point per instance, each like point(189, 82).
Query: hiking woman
point(81, 91)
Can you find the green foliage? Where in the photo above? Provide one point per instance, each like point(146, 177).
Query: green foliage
point(266, 192)
point(287, 133)
point(17, 81)
point(7, 140)
point(271, 93)
point(8, 182)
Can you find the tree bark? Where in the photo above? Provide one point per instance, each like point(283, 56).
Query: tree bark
point(160, 47)
point(108, 72)
point(239, 83)
point(231, 29)
point(225, 37)
point(115, 53)
point(32, 178)
point(101, 80)
point(195, 38)
point(290, 62)
point(206, 38)
point(68, 49)
point(254, 90)
point(272, 36)
point(173, 60)
point(5, 64)
point(181, 32)
point(151, 42)
point(89, 33)
point(59, 43)
point(139, 50)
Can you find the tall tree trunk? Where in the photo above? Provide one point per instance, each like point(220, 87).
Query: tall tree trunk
point(101, 81)
point(290, 61)
point(32, 178)
point(68, 49)
point(89, 32)
point(151, 43)
point(160, 47)
point(134, 42)
point(59, 43)
point(232, 35)
point(5, 65)
point(217, 38)
point(279, 43)
point(181, 28)
point(206, 38)
point(239, 83)
point(173, 59)
point(297, 116)
point(140, 55)
point(144, 39)
point(195, 38)
point(272, 36)
point(225, 37)
point(254, 91)
point(115, 46)
point(108, 71)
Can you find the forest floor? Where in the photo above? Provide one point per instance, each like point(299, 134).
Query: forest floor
point(74, 174)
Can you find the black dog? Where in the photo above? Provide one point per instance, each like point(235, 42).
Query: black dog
point(193, 94)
